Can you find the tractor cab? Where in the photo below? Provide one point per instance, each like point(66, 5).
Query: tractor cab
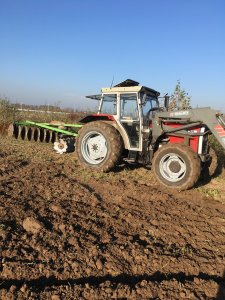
point(132, 107)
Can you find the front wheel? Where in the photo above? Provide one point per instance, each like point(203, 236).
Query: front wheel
point(210, 167)
point(213, 164)
point(176, 166)
point(98, 146)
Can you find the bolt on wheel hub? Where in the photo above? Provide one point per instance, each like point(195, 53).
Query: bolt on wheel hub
point(94, 147)
point(172, 167)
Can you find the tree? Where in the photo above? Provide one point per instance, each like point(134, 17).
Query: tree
point(179, 100)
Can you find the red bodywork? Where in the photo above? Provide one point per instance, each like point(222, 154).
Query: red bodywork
point(193, 140)
point(220, 130)
point(95, 117)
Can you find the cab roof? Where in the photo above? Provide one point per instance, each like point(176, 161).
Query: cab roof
point(127, 85)
point(130, 85)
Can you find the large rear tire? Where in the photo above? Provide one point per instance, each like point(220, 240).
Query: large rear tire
point(176, 166)
point(98, 146)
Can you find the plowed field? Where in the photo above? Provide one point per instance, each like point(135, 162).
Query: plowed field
point(66, 233)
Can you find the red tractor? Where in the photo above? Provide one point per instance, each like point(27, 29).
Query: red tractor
point(130, 124)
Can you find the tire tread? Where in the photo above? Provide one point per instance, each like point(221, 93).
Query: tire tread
point(193, 158)
point(114, 139)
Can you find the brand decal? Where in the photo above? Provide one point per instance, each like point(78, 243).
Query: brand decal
point(179, 113)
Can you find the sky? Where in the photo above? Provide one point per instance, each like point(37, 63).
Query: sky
point(58, 51)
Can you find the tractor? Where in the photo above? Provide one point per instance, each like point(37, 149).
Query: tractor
point(130, 124)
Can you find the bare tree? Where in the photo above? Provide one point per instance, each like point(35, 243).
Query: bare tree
point(179, 100)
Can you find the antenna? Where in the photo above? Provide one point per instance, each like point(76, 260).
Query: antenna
point(112, 82)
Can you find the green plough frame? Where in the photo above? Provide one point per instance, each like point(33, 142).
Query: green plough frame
point(53, 127)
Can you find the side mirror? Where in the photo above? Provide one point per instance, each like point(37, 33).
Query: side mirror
point(166, 101)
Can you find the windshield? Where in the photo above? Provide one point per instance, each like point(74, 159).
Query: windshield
point(149, 106)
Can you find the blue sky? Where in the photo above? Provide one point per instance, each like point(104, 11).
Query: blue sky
point(59, 51)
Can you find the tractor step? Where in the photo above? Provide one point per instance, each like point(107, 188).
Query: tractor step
point(132, 156)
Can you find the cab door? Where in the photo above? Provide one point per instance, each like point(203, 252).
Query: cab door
point(130, 119)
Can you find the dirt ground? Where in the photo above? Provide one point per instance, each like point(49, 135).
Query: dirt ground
point(66, 233)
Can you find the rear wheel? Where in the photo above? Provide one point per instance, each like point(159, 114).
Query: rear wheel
point(176, 166)
point(99, 146)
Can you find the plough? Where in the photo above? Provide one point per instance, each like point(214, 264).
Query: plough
point(60, 134)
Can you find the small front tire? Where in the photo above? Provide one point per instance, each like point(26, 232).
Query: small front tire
point(176, 166)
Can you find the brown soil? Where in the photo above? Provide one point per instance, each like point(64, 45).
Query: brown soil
point(69, 233)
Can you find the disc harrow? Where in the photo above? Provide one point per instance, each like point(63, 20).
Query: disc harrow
point(43, 132)
point(34, 134)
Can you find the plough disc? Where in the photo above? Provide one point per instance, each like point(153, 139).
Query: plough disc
point(30, 133)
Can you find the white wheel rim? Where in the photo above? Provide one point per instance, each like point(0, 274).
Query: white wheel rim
point(94, 147)
point(172, 167)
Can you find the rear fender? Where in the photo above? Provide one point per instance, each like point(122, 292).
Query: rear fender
point(109, 119)
point(96, 117)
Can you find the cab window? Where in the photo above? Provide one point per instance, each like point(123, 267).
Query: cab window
point(109, 104)
point(129, 107)
point(149, 106)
